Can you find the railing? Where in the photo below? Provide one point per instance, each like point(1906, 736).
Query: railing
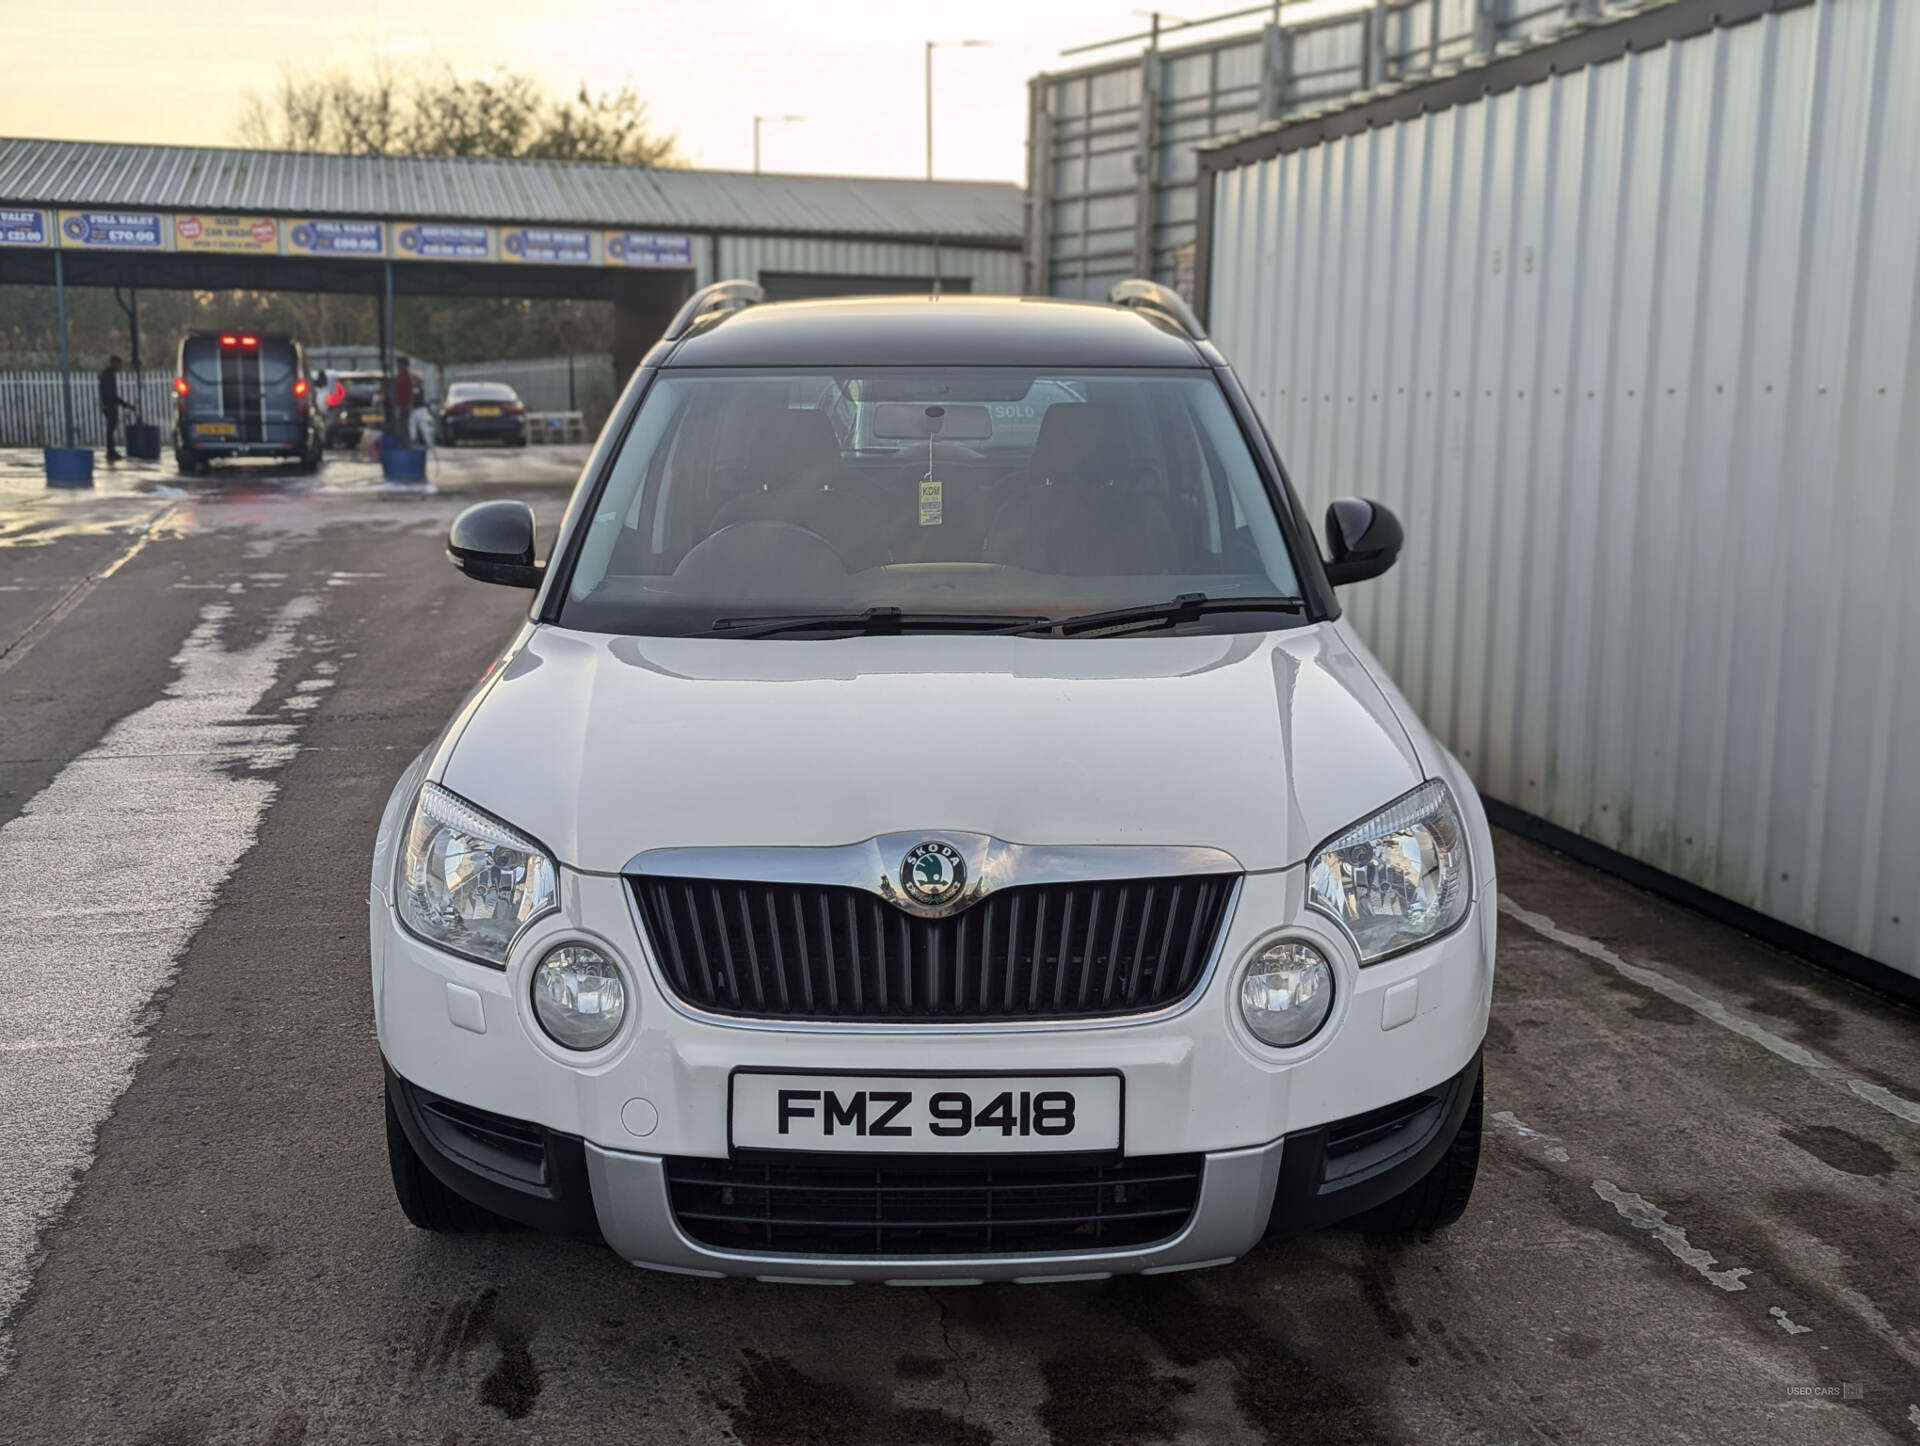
point(583, 384)
point(31, 414)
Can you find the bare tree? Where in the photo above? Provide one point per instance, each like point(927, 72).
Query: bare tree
point(610, 126)
point(440, 113)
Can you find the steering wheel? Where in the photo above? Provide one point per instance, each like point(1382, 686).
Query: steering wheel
point(783, 554)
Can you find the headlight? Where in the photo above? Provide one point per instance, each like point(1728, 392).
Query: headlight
point(469, 882)
point(579, 996)
point(1399, 878)
point(1286, 993)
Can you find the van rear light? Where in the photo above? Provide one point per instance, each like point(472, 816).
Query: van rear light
point(229, 341)
point(249, 341)
point(299, 386)
point(180, 385)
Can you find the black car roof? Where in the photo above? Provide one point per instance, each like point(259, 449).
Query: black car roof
point(936, 331)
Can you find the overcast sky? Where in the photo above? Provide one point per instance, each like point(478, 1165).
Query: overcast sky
point(129, 70)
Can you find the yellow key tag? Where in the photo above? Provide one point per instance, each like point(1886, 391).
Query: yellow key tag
point(930, 503)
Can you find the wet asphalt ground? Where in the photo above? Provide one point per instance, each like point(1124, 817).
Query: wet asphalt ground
point(1696, 1220)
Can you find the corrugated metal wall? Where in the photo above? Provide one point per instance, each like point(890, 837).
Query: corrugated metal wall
point(1111, 164)
point(1632, 352)
point(994, 270)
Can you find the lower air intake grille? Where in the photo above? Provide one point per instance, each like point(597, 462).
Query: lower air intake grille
point(861, 1208)
point(1037, 951)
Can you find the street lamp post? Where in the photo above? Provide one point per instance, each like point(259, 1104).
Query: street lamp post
point(756, 134)
point(965, 44)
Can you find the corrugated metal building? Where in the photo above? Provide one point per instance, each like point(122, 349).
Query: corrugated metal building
point(186, 217)
point(575, 193)
point(1112, 162)
point(1624, 328)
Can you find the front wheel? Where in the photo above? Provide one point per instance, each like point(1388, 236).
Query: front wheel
point(424, 1200)
point(1439, 1197)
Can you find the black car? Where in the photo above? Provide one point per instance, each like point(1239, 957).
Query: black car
point(243, 395)
point(483, 412)
point(351, 403)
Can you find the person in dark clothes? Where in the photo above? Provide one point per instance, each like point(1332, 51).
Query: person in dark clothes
point(111, 403)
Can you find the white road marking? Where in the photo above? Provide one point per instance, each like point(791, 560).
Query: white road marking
point(1821, 1068)
point(1527, 1132)
point(1642, 1214)
point(1786, 1324)
point(104, 877)
point(14, 651)
point(1639, 1212)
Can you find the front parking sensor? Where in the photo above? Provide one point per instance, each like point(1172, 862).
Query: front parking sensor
point(640, 1117)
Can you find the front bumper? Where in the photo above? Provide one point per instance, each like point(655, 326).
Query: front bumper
point(1264, 1121)
point(1301, 1182)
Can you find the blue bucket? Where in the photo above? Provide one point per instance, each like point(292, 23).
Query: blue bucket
point(143, 441)
point(403, 464)
point(69, 466)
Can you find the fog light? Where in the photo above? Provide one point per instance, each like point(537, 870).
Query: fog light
point(1287, 993)
point(579, 997)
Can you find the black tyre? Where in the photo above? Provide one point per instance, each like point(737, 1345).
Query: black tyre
point(519, 441)
point(423, 1199)
point(1440, 1196)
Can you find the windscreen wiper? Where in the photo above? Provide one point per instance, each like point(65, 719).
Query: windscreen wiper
point(874, 622)
point(1185, 608)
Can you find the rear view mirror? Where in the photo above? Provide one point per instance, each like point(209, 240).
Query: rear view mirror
point(914, 422)
point(1364, 539)
point(493, 542)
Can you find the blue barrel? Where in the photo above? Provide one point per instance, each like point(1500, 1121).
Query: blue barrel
point(403, 464)
point(143, 441)
point(69, 466)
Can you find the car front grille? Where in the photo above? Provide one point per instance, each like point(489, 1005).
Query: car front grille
point(858, 1208)
point(1037, 952)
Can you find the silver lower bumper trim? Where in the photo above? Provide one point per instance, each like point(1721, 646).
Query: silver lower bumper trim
point(636, 1216)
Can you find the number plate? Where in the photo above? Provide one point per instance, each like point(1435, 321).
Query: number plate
point(926, 1114)
point(213, 429)
point(486, 411)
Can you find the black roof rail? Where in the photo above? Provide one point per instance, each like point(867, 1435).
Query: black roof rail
point(1163, 301)
point(710, 303)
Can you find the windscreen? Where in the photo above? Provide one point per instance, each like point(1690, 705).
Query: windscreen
point(480, 392)
point(1003, 493)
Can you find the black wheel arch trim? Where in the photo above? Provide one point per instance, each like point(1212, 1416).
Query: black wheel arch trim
point(562, 1205)
point(1306, 1200)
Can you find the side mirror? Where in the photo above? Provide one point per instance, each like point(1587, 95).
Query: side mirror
point(1364, 538)
point(493, 542)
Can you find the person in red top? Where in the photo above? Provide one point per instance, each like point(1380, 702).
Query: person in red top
point(405, 388)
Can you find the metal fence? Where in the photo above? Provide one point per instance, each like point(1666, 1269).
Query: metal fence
point(1631, 349)
point(31, 414)
point(1111, 166)
point(583, 384)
